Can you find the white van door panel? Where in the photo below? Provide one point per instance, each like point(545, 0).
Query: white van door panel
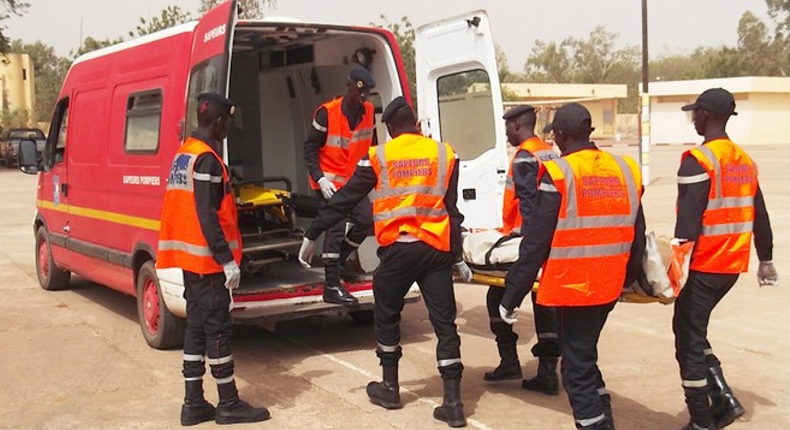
point(460, 102)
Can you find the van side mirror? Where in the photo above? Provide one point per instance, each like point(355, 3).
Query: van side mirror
point(28, 157)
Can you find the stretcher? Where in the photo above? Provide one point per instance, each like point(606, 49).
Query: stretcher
point(490, 253)
point(267, 221)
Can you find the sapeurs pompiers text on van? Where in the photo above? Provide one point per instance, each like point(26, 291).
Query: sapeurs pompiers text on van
point(123, 111)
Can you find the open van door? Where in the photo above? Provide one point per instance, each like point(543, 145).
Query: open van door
point(460, 102)
point(209, 64)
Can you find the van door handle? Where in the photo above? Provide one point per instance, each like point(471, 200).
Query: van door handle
point(64, 189)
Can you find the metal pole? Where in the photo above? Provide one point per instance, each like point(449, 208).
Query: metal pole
point(644, 100)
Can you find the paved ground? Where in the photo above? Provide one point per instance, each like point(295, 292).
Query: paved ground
point(76, 359)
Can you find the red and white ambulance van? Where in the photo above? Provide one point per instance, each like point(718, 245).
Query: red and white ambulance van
point(124, 110)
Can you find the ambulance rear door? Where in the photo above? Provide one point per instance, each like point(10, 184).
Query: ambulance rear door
point(460, 102)
point(209, 68)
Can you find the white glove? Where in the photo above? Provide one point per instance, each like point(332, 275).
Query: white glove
point(463, 271)
point(306, 252)
point(508, 316)
point(328, 189)
point(766, 274)
point(232, 275)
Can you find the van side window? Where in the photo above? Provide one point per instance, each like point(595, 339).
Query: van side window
point(143, 117)
point(204, 77)
point(56, 146)
point(465, 112)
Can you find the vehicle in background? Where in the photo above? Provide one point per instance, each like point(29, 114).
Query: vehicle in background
point(9, 144)
point(124, 110)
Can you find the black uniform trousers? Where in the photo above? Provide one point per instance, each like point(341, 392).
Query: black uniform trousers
point(361, 218)
point(209, 328)
point(401, 264)
point(579, 328)
point(701, 293)
point(545, 329)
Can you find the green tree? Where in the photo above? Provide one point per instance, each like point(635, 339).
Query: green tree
point(90, 44)
point(49, 71)
point(169, 17)
point(404, 33)
point(550, 62)
point(249, 9)
point(17, 118)
point(597, 61)
point(8, 8)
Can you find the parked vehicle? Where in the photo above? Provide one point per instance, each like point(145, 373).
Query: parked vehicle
point(124, 110)
point(9, 143)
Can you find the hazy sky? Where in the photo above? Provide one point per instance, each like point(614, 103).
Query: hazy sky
point(674, 25)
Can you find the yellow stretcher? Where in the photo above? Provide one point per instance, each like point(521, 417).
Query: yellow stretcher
point(629, 297)
point(267, 220)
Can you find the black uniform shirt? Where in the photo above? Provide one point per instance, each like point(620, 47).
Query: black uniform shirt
point(693, 199)
point(316, 135)
point(525, 182)
point(358, 188)
point(536, 245)
point(208, 199)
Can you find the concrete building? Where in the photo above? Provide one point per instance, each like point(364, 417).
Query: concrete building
point(762, 103)
point(599, 99)
point(17, 85)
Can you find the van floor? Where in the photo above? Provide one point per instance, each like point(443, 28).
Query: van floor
point(286, 276)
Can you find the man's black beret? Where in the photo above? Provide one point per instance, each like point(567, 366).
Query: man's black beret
point(361, 78)
point(517, 111)
point(222, 102)
point(397, 105)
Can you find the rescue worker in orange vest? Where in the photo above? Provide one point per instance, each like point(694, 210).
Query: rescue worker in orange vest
point(719, 206)
point(341, 132)
point(412, 181)
point(199, 233)
point(588, 233)
point(521, 190)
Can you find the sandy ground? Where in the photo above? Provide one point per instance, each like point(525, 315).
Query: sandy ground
point(76, 359)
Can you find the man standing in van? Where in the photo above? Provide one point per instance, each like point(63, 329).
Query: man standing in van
point(199, 234)
point(341, 132)
point(412, 181)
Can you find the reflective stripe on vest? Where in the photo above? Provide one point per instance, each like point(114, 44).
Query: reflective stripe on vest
point(536, 152)
point(724, 243)
point(589, 252)
point(344, 147)
point(409, 195)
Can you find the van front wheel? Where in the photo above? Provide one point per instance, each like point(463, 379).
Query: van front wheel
point(50, 276)
point(161, 329)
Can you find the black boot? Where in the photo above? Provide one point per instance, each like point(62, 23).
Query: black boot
point(231, 409)
point(509, 367)
point(606, 399)
point(386, 393)
point(699, 409)
point(724, 408)
point(195, 409)
point(546, 381)
point(452, 410)
point(333, 291)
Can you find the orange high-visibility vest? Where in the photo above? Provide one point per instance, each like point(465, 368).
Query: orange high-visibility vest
point(724, 244)
point(181, 240)
point(540, 152)
point(413, 175)
point(344, 147)
point(600, 193)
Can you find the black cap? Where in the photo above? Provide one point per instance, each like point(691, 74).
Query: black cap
point(361, 78)
point(717, 100)
point(397, 105)
point(222, 102)
point(572, 118)
point(518, 111)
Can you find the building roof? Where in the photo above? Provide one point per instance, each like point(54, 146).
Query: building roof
point(739, 85)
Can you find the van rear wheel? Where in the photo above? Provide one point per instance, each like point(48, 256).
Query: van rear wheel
point(161, 329)
point(50, 276)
